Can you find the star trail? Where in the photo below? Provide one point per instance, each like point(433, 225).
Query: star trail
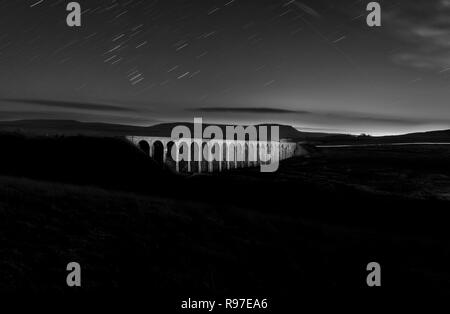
point(316, 63)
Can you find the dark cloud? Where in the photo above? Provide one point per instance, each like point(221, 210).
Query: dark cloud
point(425, 26)
point(69, 105)
point(320, 116)
point(246, 110)
point(12, 115)
point(372, 118)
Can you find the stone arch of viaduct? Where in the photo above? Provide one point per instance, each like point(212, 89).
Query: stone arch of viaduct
point(160, 149)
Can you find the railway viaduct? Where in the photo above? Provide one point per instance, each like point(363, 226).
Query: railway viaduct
point(160, 149)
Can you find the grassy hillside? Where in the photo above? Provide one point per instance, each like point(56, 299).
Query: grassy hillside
point(140, 243)
point(314, 224)
point(108, 162)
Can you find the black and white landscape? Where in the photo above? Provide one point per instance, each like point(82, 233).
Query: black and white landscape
point(366, 178)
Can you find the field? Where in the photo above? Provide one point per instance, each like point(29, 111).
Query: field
point(314, 225)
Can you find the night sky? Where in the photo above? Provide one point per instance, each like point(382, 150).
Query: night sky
point(313, 64)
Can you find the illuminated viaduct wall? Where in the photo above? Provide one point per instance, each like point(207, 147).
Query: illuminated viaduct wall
point(160, 148)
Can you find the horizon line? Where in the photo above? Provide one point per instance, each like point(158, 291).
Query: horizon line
point(300, 129)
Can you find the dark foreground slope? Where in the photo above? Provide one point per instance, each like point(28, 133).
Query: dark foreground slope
point(105, 161)
point(313, 226)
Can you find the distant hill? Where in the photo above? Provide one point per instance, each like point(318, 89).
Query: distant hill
point(442, 136)
point(72, 127)
point(432, 136)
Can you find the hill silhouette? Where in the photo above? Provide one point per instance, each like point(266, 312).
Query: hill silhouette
point(108, 162)
point(72, 127)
